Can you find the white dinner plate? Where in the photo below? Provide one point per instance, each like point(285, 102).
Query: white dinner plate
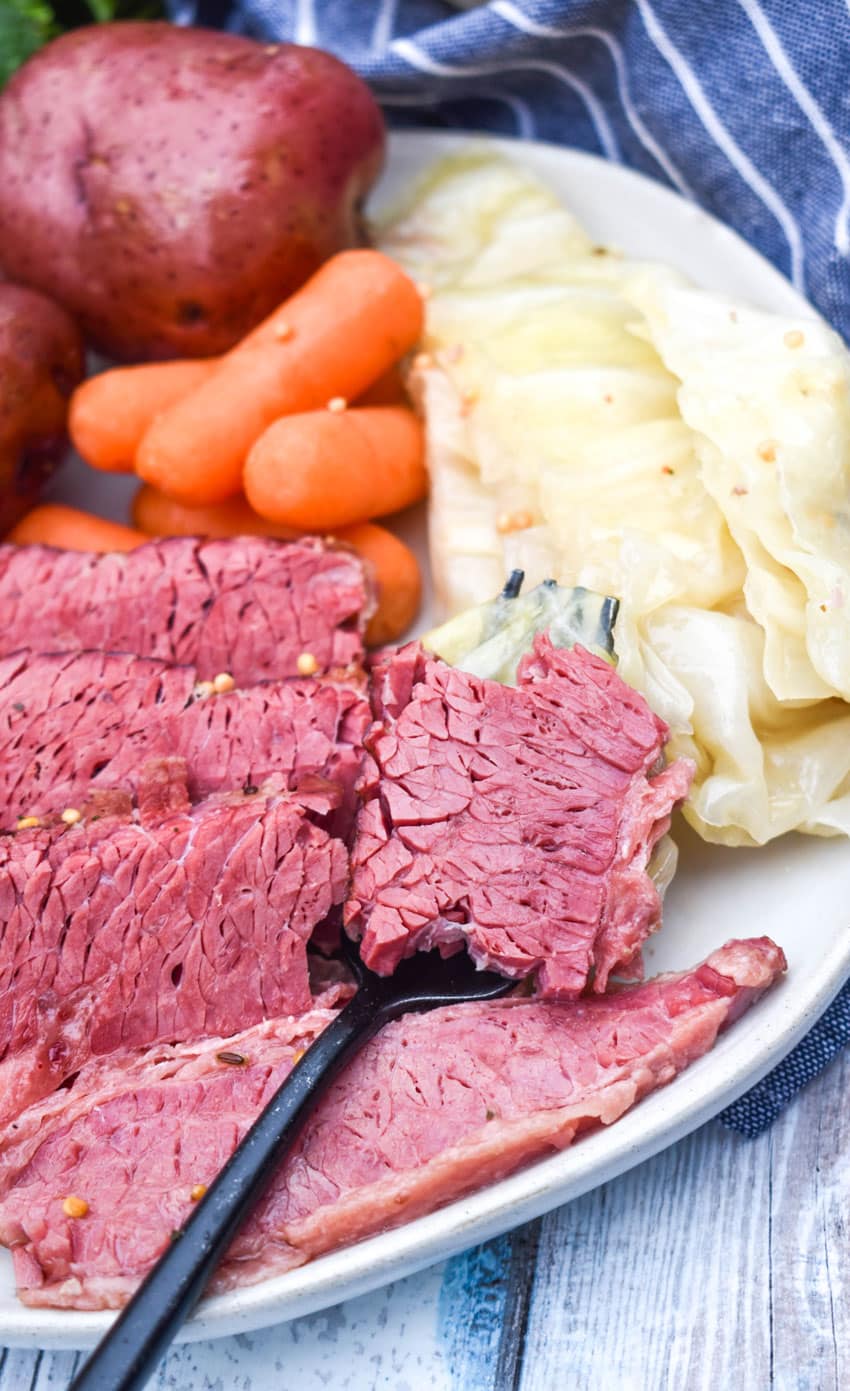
point(795, 889)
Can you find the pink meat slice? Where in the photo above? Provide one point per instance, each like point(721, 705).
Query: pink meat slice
point(70, 721)
point(436, 1106)
point(517, 821)
point(119, 932)
point(248, 606)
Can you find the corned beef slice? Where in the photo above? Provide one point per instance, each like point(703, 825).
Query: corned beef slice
point(248, 606)
point(117, 934)
point(69, 721)
point(435, 1106)
point(519, 821)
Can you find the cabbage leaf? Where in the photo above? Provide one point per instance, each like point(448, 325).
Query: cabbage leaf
point(602, 422)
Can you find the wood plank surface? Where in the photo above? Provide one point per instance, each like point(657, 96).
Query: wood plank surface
point(720, 1263)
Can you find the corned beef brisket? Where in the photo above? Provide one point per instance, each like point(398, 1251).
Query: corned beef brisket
point(71, 721)
point(518, 821)
point(435, 1106)
point(154, 986)
point(248, 606)
point(179, 924)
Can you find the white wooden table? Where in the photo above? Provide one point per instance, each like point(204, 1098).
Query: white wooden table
point(722, 1263)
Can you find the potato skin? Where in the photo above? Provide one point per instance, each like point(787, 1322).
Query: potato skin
point(41, 361)
point(171, 186)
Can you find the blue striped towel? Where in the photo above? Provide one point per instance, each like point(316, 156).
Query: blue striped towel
point(738, 104)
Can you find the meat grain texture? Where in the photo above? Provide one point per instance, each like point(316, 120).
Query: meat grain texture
point(435, 1106)
point(184, 923)
point(249, 606)
point(518, 822)
point(74, 721)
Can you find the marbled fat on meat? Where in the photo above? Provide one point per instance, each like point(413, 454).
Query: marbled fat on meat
point(517, 821)
point(434, 1107)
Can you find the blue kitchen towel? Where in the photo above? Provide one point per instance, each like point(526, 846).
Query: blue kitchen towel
point(740, 105)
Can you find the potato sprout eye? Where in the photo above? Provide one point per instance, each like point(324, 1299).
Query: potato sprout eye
point(190, 312)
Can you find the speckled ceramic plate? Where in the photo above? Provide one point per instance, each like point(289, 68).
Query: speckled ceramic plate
point(797, 889)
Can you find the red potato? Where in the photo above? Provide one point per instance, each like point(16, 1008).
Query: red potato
point(41, 361)
point(187, 180)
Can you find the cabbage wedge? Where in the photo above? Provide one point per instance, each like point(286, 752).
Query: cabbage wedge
point(600, 421)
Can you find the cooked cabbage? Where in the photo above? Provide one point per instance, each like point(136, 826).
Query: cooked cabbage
point(491, 639)
point(602, 422)
point(475, 219)
point(767, 400)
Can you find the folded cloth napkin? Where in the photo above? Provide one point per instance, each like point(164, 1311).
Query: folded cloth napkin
point(739, 105)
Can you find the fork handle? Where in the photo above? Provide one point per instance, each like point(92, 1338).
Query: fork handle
point(128, 1354)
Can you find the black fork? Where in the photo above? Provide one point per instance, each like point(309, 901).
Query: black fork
point(129, 1352)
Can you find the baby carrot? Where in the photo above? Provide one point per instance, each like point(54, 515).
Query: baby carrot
point(394, 566)
point(356, 316)
point(326, 469)
point(397, 579)
point(159, 515)
point(110, 413)
point(388, 390)
point(53, 524)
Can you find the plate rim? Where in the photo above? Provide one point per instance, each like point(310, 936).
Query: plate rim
point(660, 1120)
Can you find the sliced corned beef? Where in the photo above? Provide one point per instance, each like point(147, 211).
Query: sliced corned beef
point(248, 606)
point(519, 821)
point(435, 1106)
point(119, 933)
point(69, 721)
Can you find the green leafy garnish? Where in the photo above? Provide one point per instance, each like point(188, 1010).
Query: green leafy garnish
point(27, 25)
